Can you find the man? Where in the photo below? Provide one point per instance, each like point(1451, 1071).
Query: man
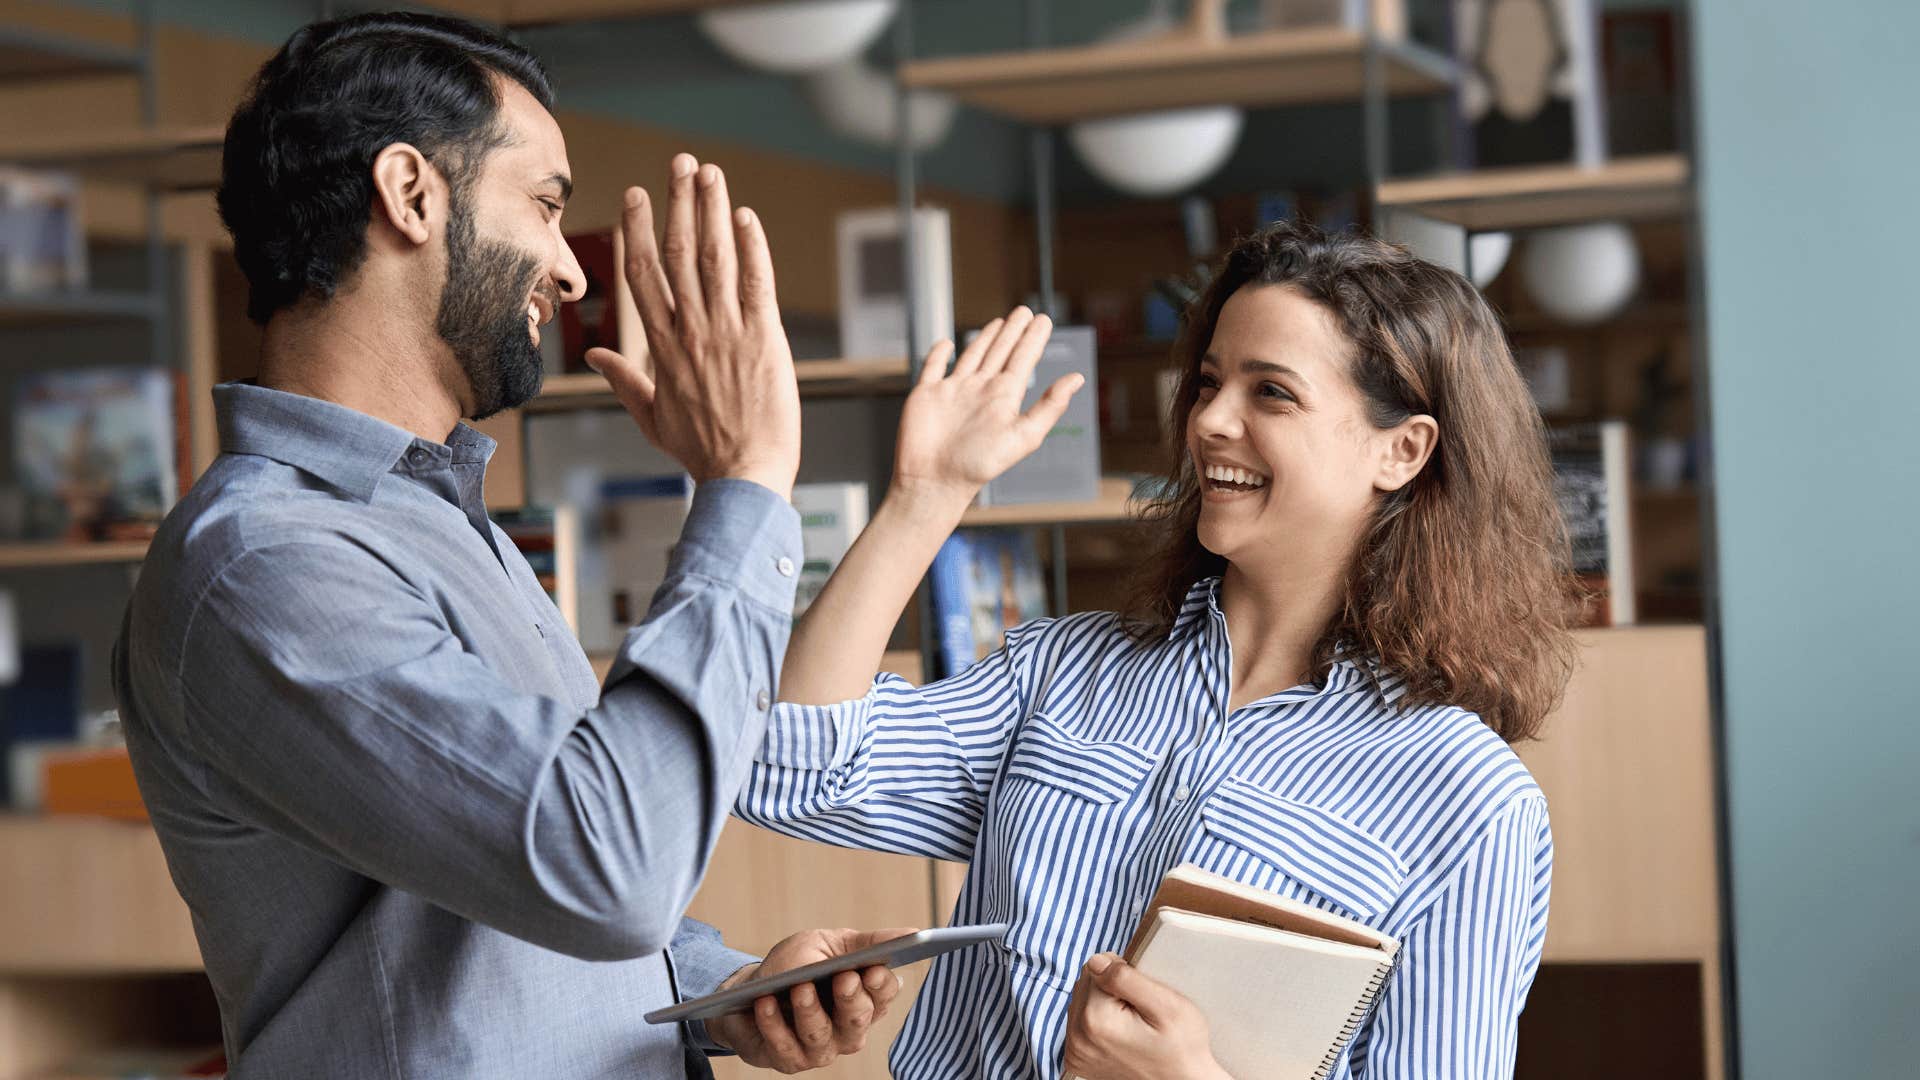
point(417, 838)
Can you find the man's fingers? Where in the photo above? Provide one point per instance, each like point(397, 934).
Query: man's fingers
point(781, 1043)
point(934, 367)
point(969, 361)
point(717, 263)
point(854, 1011)
point(680, 249)
point(812, 1024)
point(758, 302)
point(644, 273)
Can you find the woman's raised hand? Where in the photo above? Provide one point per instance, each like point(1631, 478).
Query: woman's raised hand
point(961, 428)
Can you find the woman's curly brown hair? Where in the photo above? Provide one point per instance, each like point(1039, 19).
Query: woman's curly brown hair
point(1462, 585)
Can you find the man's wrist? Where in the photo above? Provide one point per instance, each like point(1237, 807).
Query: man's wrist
point(776, 479)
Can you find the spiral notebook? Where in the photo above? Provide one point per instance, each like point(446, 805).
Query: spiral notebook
point(1284, 986)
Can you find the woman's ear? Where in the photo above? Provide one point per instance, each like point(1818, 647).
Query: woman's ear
point(408, 193)
point(1404, 450)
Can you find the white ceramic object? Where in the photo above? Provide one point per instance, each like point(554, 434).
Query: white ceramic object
point(1444, 244)
point(1581, 273)
point(797, 35)
point(1158, 153)
point(857, 101)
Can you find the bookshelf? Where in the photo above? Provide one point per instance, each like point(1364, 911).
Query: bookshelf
point(74, 306)
point(29, 55)
point(177, 158)
point(1629, 188)
point(1269, 68)
point(817, 378)
point(1113, 504)
point(24, 556)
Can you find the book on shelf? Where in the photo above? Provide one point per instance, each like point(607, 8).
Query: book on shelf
point(831, 518)
point(548, 537)
point(1284, 985)
point(593, 321)
point(636, 524)
point(97, 451)
point(43, 243)
point(1592, 467)
point(1066, 466)
point(983, 582)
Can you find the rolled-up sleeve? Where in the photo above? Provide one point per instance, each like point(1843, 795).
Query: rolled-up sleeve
point(334, 704)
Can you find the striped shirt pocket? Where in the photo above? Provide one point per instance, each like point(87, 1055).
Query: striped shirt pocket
point(1273, 842)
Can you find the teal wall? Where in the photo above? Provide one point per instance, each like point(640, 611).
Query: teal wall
point(1809, 153)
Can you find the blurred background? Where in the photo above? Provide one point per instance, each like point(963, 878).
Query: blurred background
point(1694, 219)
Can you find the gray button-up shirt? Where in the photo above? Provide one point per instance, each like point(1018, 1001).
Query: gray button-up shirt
point(416, 836)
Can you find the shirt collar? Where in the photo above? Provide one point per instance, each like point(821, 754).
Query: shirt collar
point(1350, 670)
point(344, 448)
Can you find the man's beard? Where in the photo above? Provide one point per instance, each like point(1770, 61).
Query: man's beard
point(483, 315)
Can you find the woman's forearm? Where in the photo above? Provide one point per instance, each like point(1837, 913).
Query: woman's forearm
point(837, 647)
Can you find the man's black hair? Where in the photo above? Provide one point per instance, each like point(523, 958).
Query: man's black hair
point(296, 186)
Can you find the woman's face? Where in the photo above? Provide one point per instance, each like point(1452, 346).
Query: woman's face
point(1287, 458)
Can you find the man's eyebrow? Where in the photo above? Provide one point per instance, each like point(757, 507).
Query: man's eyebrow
point(564, 182)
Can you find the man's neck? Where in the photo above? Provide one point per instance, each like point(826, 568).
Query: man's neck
point(352, 353)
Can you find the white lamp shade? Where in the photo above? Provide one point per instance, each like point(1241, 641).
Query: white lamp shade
point(798, 35)
point(1581, 273)
point(857, 102)
point(1158, 153)
point(1446, 244)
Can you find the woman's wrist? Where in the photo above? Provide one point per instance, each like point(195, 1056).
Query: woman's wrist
point(931, 504)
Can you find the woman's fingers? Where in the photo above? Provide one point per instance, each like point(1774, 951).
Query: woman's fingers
point(934, 367)
point(969, 361)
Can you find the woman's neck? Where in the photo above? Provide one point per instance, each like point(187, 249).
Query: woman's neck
point(1275, 617)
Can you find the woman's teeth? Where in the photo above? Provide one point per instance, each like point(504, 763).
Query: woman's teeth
point(1243, 477)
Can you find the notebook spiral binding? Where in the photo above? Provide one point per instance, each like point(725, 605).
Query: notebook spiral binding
point(1362, 1012)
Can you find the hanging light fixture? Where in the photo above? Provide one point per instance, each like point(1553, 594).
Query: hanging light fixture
point(797, 35)
point(857, 101)
point(1159, 153)
point(1581, 273)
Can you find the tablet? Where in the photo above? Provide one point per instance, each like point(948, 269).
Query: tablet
point(899, 952)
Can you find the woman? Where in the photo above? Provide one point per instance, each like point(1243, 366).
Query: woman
point(1358, 600)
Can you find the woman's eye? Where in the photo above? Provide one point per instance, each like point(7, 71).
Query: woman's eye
point(1273, 390)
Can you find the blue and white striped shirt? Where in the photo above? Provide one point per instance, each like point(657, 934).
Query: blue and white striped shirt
point(1074, 767)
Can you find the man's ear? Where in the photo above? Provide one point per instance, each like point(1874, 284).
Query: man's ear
point(408, 192)
point(1404, 451)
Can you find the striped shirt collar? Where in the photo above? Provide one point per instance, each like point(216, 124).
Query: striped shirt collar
point(343, 447)
point(1349, 671)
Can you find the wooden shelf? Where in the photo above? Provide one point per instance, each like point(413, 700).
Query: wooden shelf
point(1279, 67)
point(177, 158)
point(89, 896)
point(1632, 188)
point(40, 555)
point(817, 378)
point(28, 55)
point(1114, 504)
point(57, 306)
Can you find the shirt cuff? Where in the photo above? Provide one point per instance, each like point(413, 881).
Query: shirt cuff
point(740, 533)
point(701, 982)
point(822, 736)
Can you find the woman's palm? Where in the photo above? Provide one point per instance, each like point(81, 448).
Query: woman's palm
point(962, 428)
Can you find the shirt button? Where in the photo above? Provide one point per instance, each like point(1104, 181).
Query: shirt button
point(1180, 793)
point(418, 457)
point(786, 566)
point(763, 701)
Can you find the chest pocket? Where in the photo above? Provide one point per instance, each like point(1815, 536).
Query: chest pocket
point(1298, 850)
point(1063, 820)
